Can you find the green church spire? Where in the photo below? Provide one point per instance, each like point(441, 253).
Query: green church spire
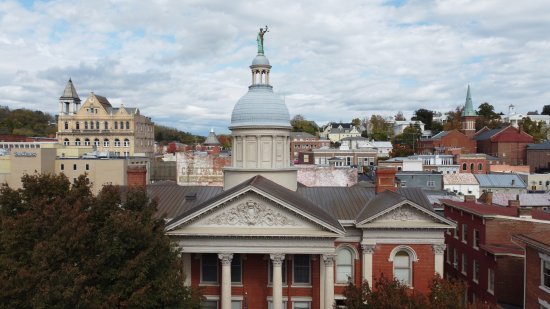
point(468, 107)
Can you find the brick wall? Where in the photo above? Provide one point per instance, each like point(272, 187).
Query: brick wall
point(532, 280)
point(137, 176)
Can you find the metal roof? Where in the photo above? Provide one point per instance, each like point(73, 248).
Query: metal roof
point(500, 180)
point(525, 199)
point(542, 146)
point(260, 107)
point(70, 91)
point(460, 179)
point(468, 106)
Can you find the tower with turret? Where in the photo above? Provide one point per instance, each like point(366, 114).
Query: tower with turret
point(469, 116)
point(69, 102)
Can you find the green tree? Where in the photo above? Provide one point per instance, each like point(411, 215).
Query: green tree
point(454, 119)
point(300, 124)
point(399, 116)
point(165, 135)
point(26, 122)
point(379, 129)
point(406, 142)
point(356, 122)
point(536, 129)
point(62, 247)
point(487, 117)
point(545, 110)
point(446, 294)
point(424, 115)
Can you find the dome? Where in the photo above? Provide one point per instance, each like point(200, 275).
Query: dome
point(260, 59)
point(260, 107)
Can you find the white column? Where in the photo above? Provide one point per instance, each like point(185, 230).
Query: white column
point(439, 250)
point(277, 260)
point(226, 279)
point(368, 251)
point(187, 268)
point(329, 280)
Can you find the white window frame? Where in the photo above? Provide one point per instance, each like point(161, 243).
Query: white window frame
point(126, 142)
point(270, 302)
point(106, 143)
point(449, 254)
point(455, 258)
point(464, 264)
point(202, 282)
point(464, 233)
point(412, 258)
point(117, 142)
point(308, 283)
point(87, 142)
point(77, 142)
point(475, 271)
point(475, 241)
point(544, 261)
point(491, 281)
point(350, 265)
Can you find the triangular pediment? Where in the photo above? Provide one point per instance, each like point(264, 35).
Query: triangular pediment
point(406, 214)
point(251, 212)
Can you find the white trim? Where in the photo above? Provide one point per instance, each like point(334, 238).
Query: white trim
point(544, 257)
point(544, 303)
point(349, 246)
point(414, 205)
point(354, 257)
point(414, 257)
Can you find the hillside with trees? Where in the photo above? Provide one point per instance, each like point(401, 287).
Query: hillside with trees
point(165, 135)
point(26, 122)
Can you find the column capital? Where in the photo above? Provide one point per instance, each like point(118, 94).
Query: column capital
point(226, 258)
point(329, 259)
point(369, 249)
point(277, 258)
point(439, 249)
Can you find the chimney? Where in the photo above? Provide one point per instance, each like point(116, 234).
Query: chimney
point(385, 179)
point(513, 182)
point(469, 198)
point(513, 203)
point(487, 197)
point(136, 176)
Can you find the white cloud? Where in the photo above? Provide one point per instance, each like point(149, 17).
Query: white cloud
point(185, 63)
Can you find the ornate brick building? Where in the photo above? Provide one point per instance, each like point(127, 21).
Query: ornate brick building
point(122, 131)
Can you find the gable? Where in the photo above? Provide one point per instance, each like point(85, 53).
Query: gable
point(91, 105)
point(252, 214)
point(406, 215)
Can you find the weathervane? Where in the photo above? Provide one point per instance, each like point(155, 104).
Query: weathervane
point(260, 40)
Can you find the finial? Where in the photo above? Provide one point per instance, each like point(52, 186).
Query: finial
point(211, 130)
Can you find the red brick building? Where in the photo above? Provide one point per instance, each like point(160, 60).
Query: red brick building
point(446, 142)
point(481, 250)
point(508, 144)
point(301, 142)
point(537, 268)
point(538, 157)
point(476, 163)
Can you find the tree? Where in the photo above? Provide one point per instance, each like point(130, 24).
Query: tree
point(545, 110)
point(536, 129)
point(300, 124)
point(225, 140)
point(379, 129)
point(356, 122)
point(61, 247)
point(405, 143)
point(446, 294)
point(454, 119)
point(26, 122)
point(165, 135)
point(425, 116)
point(399, 116)
point(487, 117)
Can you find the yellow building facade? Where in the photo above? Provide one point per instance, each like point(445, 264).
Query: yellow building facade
point(121, 131)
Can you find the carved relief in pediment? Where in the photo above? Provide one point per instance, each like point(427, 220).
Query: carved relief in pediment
point(251, 213)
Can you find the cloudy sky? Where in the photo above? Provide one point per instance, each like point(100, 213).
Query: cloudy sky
point(185, 63)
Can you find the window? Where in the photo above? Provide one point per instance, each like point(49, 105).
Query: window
point(106, 142)
point(431, 183)
point(464, 233)
point(78, 125)
point(490, 280)
point(87, 142)
point(62, 167)
point(74, 167)
point(126, 143)
point(475, 272)
point(344, 265)
point(87, 167)
point(66, 125)
point(126, 154)
point(86, 125)
point(479, 167)
point(456, 232)
point(455, 259)
point(476, 239)
point(472, 167)
point(209, 304)
point(301, 305)
point(105, 125)
point(464, 166)
point(97, 125)
point(301, 268)
point(545, 276)
point(91, 125)
point(66, 142)
point(77, 142)
point(270, 304)
point(116, 125)
point(236, 269)
point(117, 142)
point(270, 271)
point(127, 125)
point(464, 264)
point(448, 254)
point(209, 268)
point(402, 267)
point(236, 304)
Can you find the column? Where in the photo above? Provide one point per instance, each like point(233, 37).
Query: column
point(329, 280)
point(277, 260)
point(439, 250)
point(226, 279)
point(368, 251)
point(273, 151)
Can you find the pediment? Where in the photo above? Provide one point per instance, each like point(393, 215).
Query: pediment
point(406, 215)
point(252, 214)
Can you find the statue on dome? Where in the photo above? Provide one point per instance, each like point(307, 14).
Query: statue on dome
point(260, 40)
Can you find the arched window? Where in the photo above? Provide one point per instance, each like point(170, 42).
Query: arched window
point(106, 125)
point(106, 142)
point(402, 258)
point(344, 265)
point(91, 125)
point(77, 142)
point(117, 142)
point(66, 125)
point(85, 125)
point(127, 125)
point(66, 142)
point(480, 166)
point(126, 143)
point(96, 141)
point(78, 125)
point(472, 167)
point(464, 166)
point(87, 142)
point(121, 125)
point(402, 267)
point(97, 125)
point(116, 125)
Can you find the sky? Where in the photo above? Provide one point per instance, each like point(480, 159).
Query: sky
point(185, 63)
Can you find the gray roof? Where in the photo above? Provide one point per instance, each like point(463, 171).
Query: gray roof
point(70, 91)
point(295, 135)
point(379, 203)
point(355, 138)
point(542, 146)
point(212, 139)
point(260, 107)
point(440, 135)
point(265, 185)
point(487, 134)
point(500, 180)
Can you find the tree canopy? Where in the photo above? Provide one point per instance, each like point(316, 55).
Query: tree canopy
point(379, 129)
point(537, 129)
point(454, 119)
point(300, 124)
point(62, 247)
point(165, 135)
point(487, 117)
point(26, 122)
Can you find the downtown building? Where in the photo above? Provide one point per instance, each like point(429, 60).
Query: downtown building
point(262, 240)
